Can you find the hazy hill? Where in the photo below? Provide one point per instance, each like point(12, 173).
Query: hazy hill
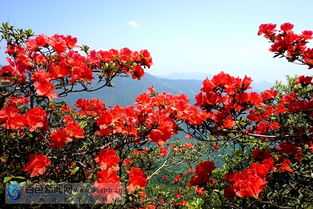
point(259, 86)
point(126, 90)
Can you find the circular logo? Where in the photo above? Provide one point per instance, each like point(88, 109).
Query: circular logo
point(14, 191)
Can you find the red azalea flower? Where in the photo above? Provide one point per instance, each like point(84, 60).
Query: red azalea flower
point(33, 44)
point(229, 122)
point(205, 167)
point(249, 182)
point(66, 108)
point(163, 151)
point(304, 80)
point(74, 130)
point(202, 173)
point(128, 161)
point(137, 179)
point(58, 43)
point(188, 145)
point(37, 164)
point(108, 186)
point(183, 203)
point(59, 138)
point(18, 100)
point(177, 179)
point(188, 136)
point(199, 190)
point(108, 159)
point(90, 107)
point(251, 186)
point(11, 118)
point(138, 72)
point(178, 196)
point(285, 166)
point(267, 29)
point(286, 27)
point(156, 136)
point(107, 177)
point(261, 154)
point(292, 149)
point(229, 192)
point(36, 118)
point(45, 88)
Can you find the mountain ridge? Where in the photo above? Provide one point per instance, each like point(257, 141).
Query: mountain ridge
point(126, 89)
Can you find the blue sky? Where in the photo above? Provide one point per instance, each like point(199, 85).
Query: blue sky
point(182, 35)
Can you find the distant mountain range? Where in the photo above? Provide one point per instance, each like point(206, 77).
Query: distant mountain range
point(259, 86)
point(126, 89)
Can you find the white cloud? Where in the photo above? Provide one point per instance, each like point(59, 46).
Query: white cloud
point(133, 23)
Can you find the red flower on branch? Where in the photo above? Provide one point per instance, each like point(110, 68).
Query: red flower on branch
point(59, 138)
point(261, 154)
point(163, 151)
point(37, 164)
point(249, 182)
point(202, 174)
point(108, 160)
point(285, 166)
point(45, 88)
point(108, 186)
point(137, 179)
point(74, 130)
point(36, 118)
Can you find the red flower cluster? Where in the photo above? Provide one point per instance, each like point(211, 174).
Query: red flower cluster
point(128, 161)
point(60, 43)
point(304, 80)
point(261, 154)
point(46, 63)
point(137, 179)
point(11, 118)
point(285, 165)
point(92, 107)
point(224, 94)
point(108, 177)
point(292, 149)
point(288, 44)
point(61, 136)
point(119, 120)
point(176, 179)
point(159, 111)
point(156, 112)
point(202, 174)
point(163, 151)
point(108, 160)
point(122, 59)
point(37, 164)
point(225, 109)
point(249, 182)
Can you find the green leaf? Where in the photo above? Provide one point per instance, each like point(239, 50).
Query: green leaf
point(19, 177)
point(82, 124)
point(7, 178)
point(73, 171)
